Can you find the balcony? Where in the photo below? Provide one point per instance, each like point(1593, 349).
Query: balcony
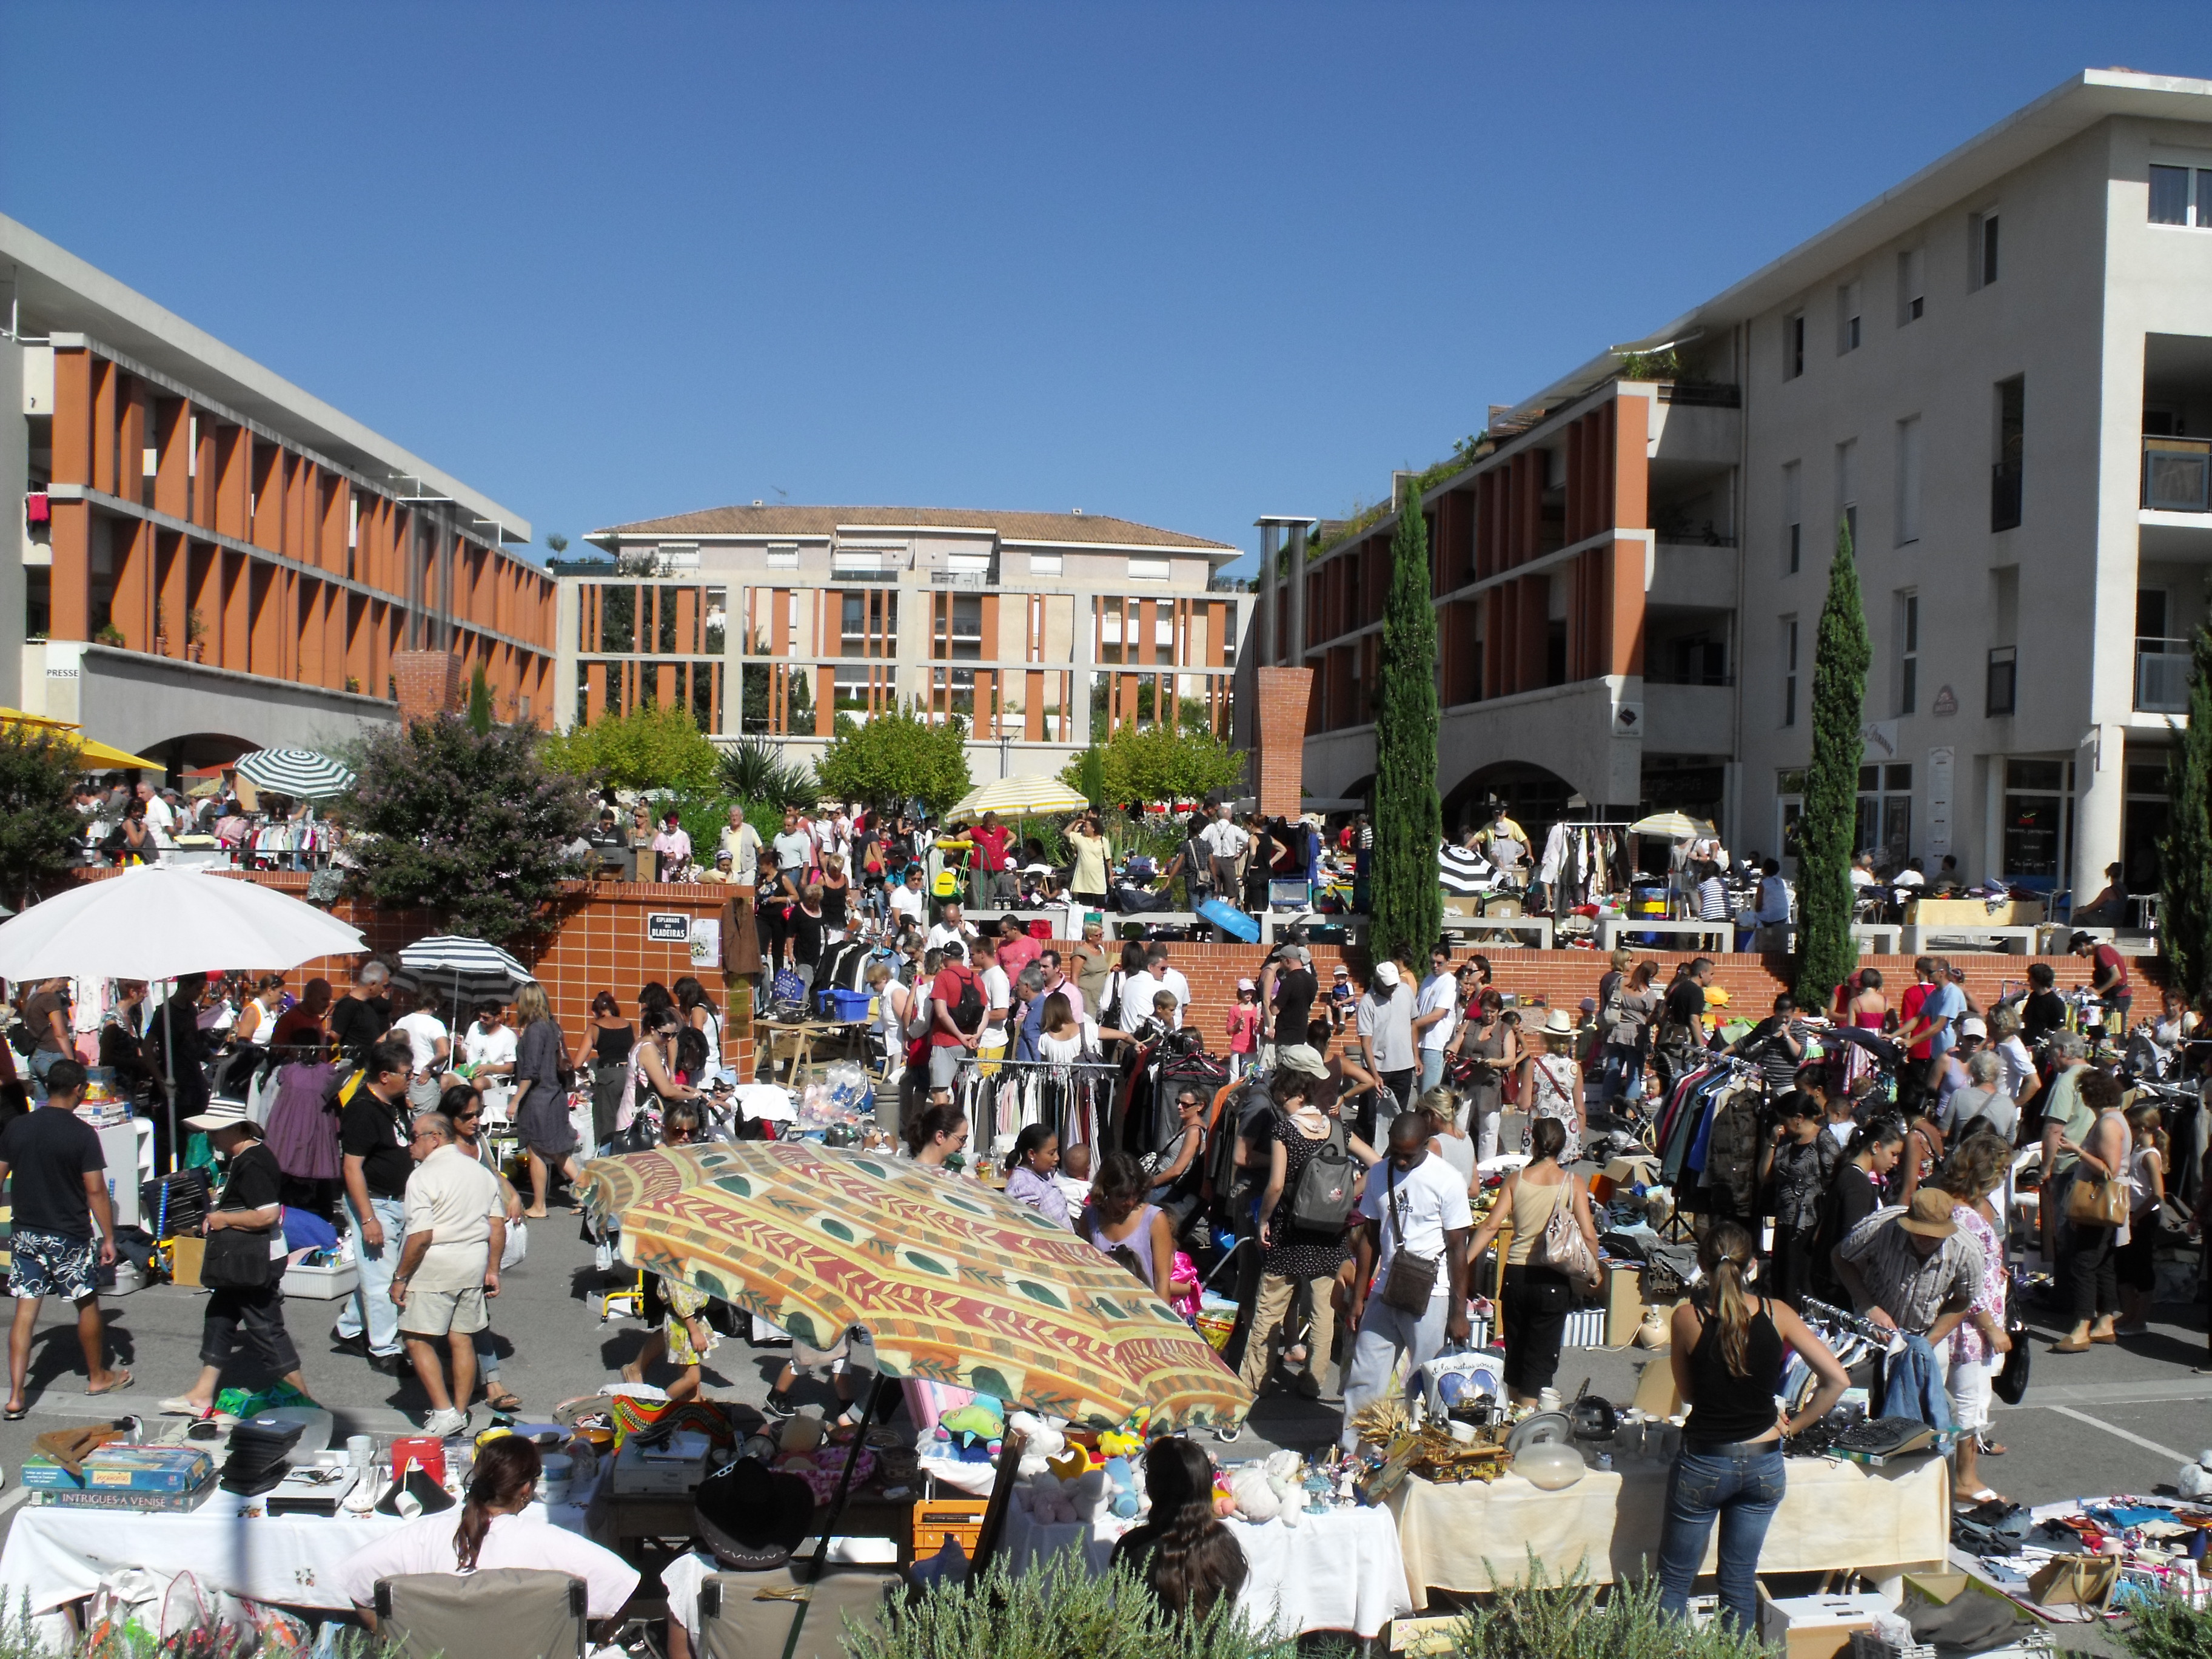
point(2176, 475)
point(2005, 480)
point(2161, 676)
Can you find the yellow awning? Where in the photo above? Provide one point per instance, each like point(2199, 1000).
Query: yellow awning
point(92, 754)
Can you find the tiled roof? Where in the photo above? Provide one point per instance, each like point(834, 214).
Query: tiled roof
point(783, 520)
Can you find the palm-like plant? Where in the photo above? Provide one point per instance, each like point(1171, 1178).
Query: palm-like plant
point(753, 771)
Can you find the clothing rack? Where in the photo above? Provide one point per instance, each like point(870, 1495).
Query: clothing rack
point(1078, 1097)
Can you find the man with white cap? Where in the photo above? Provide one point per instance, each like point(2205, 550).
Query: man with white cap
point(1385, 1026)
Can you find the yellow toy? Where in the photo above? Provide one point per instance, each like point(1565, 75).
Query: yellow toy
point(1113, 1442)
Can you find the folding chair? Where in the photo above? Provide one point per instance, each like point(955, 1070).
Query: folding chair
point(503, 1612)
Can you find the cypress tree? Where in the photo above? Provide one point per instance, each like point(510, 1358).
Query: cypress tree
point(2185, 852)
point(1826, 953)
point(1406, 901)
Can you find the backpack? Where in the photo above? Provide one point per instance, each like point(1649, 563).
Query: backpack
point(1328, 1187)
point(968, 1012)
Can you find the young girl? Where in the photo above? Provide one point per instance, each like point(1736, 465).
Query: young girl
point(1244, 1029)
point(2136, 1268)
point(1030, 1169)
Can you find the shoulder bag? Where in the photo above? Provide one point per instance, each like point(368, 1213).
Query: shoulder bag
point(1412, 1280)
point(1561, 1246)
point(2091, 1202)
point(236, 1259)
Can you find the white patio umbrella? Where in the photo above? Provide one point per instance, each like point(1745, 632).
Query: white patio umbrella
point(299, 774)
point(161, 921)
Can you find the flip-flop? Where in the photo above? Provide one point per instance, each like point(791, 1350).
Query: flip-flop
point(123, 1380)
point(14, 1413)
point(504, 1401)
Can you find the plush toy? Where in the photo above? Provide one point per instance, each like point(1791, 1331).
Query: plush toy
point(1043, 1441)
point(1088, 1494)
point(1069, 1465)
point(1050, 1503)
point(1283, 1469)
point(2195, 1479)
point(1122, 1479)
point(1114, 1443)
point(973, 1419)
point(1256, 1500)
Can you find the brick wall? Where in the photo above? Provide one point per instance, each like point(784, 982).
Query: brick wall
point(1281, 733)
point(429, 683)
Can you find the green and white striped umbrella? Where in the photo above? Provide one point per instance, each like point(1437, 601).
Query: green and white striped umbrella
point(299, 773)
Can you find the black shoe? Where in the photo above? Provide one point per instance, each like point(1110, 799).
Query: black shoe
point(356, 1344)
point(388, 1364)
point(780, 1404)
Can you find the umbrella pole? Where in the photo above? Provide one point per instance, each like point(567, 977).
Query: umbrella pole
point(836, 1510)
point(169, 1072)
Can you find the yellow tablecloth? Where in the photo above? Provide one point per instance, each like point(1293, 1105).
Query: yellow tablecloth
point(1832, 1516)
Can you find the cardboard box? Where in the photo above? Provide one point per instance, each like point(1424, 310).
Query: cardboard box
point(937, 1519)
point(1624, 1303)
point(135, 1503)
point(1816, 1627)
point(637, 1475)
point(126, 1468)
point(185, 1255)
point(323, 1283)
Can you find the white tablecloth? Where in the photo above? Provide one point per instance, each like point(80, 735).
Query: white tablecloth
point(59, 1555)
point(1834, 1515)
point(1341, 1570)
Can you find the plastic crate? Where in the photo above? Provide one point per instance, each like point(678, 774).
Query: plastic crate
point(849, 1004)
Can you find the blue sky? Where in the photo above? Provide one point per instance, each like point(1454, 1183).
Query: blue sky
point(1185, 263)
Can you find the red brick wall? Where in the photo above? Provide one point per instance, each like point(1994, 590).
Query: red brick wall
point(429, 683)
point(1285, 693)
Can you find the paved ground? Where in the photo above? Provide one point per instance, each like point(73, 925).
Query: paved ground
point(2114, 1419)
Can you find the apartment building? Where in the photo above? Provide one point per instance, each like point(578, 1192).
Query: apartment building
point(212, 560)
point(1041, 631)
point(1999, 374)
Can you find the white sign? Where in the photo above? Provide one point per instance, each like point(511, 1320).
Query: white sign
point(1628, 719)
point(1940, 762)
point(1881, 739)
point(706, 941)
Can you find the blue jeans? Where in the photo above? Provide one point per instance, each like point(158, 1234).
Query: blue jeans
point(1743, 1484)
point(1432, 1069)
point(371, 1306)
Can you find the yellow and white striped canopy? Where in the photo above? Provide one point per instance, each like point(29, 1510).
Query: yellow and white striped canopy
point(1010, 797)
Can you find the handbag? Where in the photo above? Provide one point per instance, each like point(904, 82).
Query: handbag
point(236, 1260)
point(2010, 1383)
point(2094, 1203)
point(1562, 1248)
point(1412, 1280)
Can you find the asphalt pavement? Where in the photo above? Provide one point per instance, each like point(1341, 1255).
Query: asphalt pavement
point(2115, 1419)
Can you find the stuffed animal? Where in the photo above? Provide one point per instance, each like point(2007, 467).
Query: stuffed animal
point(1050, 1502)
point(973, 1419)
point(2195, 1479)
point(1114, 1443)
point(1284, 1471)
point(1122, 1502)
point(1256, 1500)
point(802, 1433)
point(1069, 1465)
point(1043, 1441)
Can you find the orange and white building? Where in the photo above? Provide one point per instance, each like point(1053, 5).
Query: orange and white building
point(213, 559)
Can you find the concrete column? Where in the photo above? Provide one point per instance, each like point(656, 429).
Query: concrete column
point(1265, 630)
point(1085, 631)
point(2099, 797)
point(1296, 656)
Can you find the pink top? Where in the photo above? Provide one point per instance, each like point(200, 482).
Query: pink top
point(1244, 1029)
point(1968, 1345)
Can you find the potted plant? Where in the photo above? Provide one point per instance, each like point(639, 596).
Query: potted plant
point(109, 634)
point(194, 635)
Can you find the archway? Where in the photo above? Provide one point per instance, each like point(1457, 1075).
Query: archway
point(1535, 797)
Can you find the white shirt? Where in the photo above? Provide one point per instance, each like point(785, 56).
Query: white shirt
point(1862, 877)
point(453, 1198)
point(940, 935)
point(423, 1029)
point(1137, 990)
point(907, 902)
point(482, 1048)
point(1438, 991)
point(997, 991)
point(527, 1539)
point(1385, 1025)
point(161, 820)
point(1773, 901)
point(1430, 1200)
point(2015, 1066)
point(1909, 878)
point(1225, 840)
point(794, 853)
point(1171, 979)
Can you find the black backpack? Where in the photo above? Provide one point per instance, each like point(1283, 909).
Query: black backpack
point(1328, 1187)
point(968, 1012)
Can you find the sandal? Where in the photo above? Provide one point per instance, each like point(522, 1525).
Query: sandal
point(505, 1400)
point(1990, 1448)
point(14, 1413)
point(123, 1380)
point(2069, 1347)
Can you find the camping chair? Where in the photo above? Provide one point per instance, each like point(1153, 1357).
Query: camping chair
point(503, 1612)
point(747, 1615)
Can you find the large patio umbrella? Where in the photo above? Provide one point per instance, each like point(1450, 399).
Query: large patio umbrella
point(1678, 826)
point(1018, 796)
point(297, 774)
point(953, 1282)
point(91, 755)
point(161, 921)
point(469, 970)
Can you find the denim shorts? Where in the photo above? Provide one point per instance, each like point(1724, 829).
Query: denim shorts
point(53, 1264)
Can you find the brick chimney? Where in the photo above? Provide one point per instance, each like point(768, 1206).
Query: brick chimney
point(430, 683)
point(1285, 693)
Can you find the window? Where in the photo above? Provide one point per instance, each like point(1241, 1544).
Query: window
point(1885, 814)
point(1908, 652)
point(1847, 487)
point(1148, 570)
point(2003, 682)
point(1793, 518)
point(1908, 481)
point(1911, 285)
point(1981, 250)
point(783, 558)
point(1793, 346)
point(1790, 671)
point(856, 560)
point(1847, 318)
point(1045, 564)
point(2035, 820)
point(969, 564)
point(2006, 476)
point(2169, 197)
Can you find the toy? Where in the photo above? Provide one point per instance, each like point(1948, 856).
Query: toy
point(1257, 1499)
point(1044, 1442)
point(974, 1419)
point(1113, 1442)
point(1283, 1468)
point(2195, 1479)
point(1069, 1465)
point(1122, 1503)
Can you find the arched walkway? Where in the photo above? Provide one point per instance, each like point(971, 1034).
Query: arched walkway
point(1536, 798)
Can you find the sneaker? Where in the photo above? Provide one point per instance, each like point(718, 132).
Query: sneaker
point(779, 1404)
point(444, 1424)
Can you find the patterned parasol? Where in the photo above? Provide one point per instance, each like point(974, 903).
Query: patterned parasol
point(952, 1281)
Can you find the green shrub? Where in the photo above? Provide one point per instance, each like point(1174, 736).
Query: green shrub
point(754, 772)
point(1059, 1611)
point(2169, 1628)
point(1543, 1620)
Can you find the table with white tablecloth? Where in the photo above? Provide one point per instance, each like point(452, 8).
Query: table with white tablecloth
point(1834, 1515)
point(57, 1556)
point(1340, 1570)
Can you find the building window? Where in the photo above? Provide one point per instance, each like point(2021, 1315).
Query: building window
point(1149, 570)
point(2169, 195)
point(2006, 476)
point(1793, 346)
point(856, 562)
point(1045, 564)
point(1908, 652)
point(959, 628)
point(1847, 318)
point(785, 557)
point(1847, 487)
point(1982, 250)
point(1908, 481)
point(1885, 814)
point(2004, 685)
point(2035, 820)
point(1790, 671)
point(1793, 518)
point(1911, 285)
point(969, 564)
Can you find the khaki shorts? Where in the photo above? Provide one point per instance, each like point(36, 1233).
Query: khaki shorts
point(435, 1313)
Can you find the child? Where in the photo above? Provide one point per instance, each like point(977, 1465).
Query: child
point(1073, 1178)
point(1161, 1021)
point(689, 1338)
point(1244, 1029)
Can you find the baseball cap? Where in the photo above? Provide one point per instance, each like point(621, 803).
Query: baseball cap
point(1973, 1026)
point(1386, 973)
point(1301, 1058)
point(1246, 985)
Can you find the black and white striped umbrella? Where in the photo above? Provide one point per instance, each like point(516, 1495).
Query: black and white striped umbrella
point(468, 970)
point(1463, 872)
point(299, 773)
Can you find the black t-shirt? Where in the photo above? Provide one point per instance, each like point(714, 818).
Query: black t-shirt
point(49, 1152)
point(255, 1181)
point(1685, 1000)
point(2044, 1011)
point(377, 1134)
point(356, 1023)
point(1294, 995)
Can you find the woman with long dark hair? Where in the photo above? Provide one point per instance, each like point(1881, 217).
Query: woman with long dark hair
point(1727, 1354)
point(606, 1042)
point(701, 1014)
point(1121, 1225)
point(491, 1533)
point(1184, 1553)
point(937, 1131)
point(1852, 1196)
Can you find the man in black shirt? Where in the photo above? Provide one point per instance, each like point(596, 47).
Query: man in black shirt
point(2044, 1010)
point(59, 1192)
point(373, 1134)
point(364, 1013)
point(1682, 1033)
point(1295, 990)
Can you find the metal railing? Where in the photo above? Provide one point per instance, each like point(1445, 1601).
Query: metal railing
point(2176, 475)
point(2161, 676)
point(1704, 394)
